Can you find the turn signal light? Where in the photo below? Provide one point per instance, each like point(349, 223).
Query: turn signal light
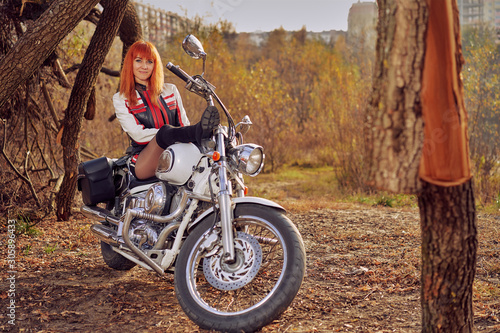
point(216, 156)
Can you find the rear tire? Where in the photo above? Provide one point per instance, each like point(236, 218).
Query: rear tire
point(114, 259)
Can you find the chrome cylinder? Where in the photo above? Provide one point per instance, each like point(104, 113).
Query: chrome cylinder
point(225, 202)
point(98, 213)
point(105, 234)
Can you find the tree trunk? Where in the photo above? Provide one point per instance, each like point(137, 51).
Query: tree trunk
point(394, 117)
point(130, 29)
point(39, 41)
point(85, 80)
point(417, 126)
point(447, 207)
point(449, 246)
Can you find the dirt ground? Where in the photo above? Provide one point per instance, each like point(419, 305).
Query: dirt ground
point(362, 276)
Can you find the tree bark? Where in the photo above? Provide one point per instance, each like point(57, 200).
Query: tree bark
point(394, 116)
point(417, 128)
point(449, 246)
point(85, 80)
point(39, 41)
point(445, 160)
point(130, 29)
point(447, 207)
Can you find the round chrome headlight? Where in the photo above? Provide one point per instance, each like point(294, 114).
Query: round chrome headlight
point(155, 199)
point(248, 159)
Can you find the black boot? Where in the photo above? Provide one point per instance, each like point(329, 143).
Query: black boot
point(168, 135)
point(209, 121)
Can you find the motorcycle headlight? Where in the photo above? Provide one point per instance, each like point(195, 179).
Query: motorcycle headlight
point(248, 159)
point(155, 199)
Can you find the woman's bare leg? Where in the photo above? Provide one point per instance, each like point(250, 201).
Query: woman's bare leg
point(146, 163)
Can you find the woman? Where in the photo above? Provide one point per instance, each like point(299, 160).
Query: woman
point(151, 112)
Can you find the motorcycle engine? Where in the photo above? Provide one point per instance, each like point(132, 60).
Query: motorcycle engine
point(144, 234)
point(160, 199)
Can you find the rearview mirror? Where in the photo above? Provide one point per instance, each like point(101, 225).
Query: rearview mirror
point(244, 125)
point(193, 47)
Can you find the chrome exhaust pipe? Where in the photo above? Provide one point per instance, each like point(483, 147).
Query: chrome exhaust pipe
point(99, 214)
point(105, 234)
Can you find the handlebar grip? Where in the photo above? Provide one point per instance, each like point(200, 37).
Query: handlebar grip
point(179, 72)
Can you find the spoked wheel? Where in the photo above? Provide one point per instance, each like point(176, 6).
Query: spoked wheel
point(256, 287)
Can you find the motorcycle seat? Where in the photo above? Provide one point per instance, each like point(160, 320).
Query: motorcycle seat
point(121, 162)
point(134, 182)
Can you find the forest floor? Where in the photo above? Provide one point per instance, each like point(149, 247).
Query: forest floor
point(362, 276)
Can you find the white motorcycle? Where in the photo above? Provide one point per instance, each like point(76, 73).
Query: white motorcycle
point(238, 261)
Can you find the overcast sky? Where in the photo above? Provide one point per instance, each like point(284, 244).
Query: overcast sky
point(265, 15)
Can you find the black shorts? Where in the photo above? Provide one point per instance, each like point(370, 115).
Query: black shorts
point(133, 160)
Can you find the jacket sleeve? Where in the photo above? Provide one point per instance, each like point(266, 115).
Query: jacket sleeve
point(129, 123)
point(183, 118)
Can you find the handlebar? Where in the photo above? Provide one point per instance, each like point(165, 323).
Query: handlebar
point(203, 88)
point(179, 72)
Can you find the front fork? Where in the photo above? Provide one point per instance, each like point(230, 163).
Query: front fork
point(224, 198)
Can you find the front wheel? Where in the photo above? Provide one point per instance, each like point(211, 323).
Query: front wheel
point(257, 287)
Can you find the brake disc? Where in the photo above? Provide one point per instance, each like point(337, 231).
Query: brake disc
point(248, 258)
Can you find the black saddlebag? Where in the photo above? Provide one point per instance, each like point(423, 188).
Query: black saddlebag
point(95, 180)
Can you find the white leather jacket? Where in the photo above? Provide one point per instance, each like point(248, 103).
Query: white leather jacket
point(142, 121)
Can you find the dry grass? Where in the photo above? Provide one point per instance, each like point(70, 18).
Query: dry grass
point(363, 270)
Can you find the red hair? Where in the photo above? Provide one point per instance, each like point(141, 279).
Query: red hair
point(145, 50)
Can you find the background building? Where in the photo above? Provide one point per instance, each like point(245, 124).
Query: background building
point(480, 13)
point(362, 25)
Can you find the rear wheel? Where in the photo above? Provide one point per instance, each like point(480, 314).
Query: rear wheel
point(114, 259)
point(253, 290)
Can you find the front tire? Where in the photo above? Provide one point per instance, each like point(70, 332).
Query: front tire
point(251, 292)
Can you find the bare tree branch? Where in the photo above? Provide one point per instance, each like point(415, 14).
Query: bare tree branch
point(61, 76)
point(39, 41)
point(87, 153)
point(104, 70)
point(92, 62)
point(94, 16)
point(50, 104)
point(26, 178)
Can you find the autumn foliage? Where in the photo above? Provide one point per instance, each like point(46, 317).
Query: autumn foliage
point(305, 97)
point(307, 100)
point(481, 77)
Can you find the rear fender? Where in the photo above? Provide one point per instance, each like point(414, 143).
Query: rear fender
point(236, 202)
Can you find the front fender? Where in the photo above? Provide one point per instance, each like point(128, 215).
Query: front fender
point(238, 201)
